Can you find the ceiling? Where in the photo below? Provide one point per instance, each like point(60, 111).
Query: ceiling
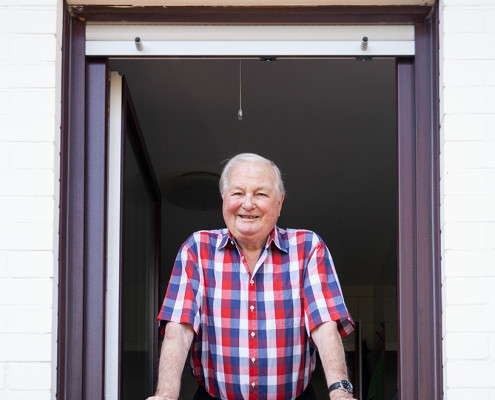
point(329, 124)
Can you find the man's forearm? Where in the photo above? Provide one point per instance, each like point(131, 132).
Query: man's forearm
point(327, 339)
point(175, 347)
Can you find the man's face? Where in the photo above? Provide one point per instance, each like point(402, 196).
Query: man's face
point(250, 204)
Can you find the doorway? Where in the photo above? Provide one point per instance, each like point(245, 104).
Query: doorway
point(330, 124)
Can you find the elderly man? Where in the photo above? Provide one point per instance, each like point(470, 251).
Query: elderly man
point(254, 300)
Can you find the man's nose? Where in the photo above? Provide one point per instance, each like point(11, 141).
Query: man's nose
point(248, 202)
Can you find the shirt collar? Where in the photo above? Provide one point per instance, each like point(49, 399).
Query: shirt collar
point(226, 238)
point(277, 236)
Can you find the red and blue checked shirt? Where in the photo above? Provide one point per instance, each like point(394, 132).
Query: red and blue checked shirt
point(253, 330)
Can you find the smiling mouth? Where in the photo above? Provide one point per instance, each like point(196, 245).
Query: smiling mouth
point(248, 216)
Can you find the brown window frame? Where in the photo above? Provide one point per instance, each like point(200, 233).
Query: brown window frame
point(81, 313)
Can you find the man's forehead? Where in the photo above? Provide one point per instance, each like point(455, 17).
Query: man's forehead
point(263, 175)
point(254, 185)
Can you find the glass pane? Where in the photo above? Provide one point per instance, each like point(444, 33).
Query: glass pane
point(137, 281)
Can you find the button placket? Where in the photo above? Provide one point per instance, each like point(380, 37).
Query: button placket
point(253, 341)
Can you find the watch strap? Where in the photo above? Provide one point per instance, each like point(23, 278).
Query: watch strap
point(344, 385)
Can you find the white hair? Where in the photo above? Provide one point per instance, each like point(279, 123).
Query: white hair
point(255, 159)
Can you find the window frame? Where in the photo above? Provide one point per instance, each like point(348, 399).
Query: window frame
point(81, 313)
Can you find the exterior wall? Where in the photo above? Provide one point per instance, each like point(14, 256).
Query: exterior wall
point(29, 160)
point(467, 117)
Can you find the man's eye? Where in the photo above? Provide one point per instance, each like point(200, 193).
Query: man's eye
point(262, 194)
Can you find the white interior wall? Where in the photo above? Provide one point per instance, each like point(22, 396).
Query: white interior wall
point(468, 197)
point(371, 305)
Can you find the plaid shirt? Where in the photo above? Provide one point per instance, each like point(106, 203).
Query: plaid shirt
point(252, 330)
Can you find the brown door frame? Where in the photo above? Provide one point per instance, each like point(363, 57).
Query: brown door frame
point(81, 314)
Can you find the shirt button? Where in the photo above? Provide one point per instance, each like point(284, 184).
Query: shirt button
point(253, 360)
point(251, 308)
point(253, 334)
point(242, 258)
point(252, 283)
point(253, 384)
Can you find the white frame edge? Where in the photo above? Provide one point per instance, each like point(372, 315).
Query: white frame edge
point(113, 239)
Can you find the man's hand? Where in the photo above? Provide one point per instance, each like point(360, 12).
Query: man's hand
point(338, 394)
point(159, 398)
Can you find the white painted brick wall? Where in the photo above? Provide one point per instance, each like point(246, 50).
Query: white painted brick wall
point(29, 158)
point(40, 373)
point(467, 59)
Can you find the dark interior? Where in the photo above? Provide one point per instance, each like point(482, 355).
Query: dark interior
point(330, 125)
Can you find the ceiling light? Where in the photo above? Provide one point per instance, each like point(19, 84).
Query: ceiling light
point(194, 191)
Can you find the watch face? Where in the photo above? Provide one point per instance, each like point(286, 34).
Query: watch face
point(347, 386)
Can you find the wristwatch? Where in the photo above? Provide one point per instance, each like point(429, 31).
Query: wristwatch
point(344, 385)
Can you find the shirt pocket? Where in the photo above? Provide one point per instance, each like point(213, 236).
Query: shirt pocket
point(288, 307)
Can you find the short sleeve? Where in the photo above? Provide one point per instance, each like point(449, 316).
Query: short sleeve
point(323, 298)
point(184, 294)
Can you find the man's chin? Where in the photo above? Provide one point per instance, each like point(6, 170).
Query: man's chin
point(248, 232)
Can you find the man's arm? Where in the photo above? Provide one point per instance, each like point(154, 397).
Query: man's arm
point(327, 339)
point(175, 347)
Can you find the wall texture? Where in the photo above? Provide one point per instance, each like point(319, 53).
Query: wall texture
point(29, 134)
point(468, 197)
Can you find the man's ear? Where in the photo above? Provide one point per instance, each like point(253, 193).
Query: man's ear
point(280, 202)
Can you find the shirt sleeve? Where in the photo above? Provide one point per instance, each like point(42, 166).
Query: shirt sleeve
point(184, 294)
point(323, 299)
